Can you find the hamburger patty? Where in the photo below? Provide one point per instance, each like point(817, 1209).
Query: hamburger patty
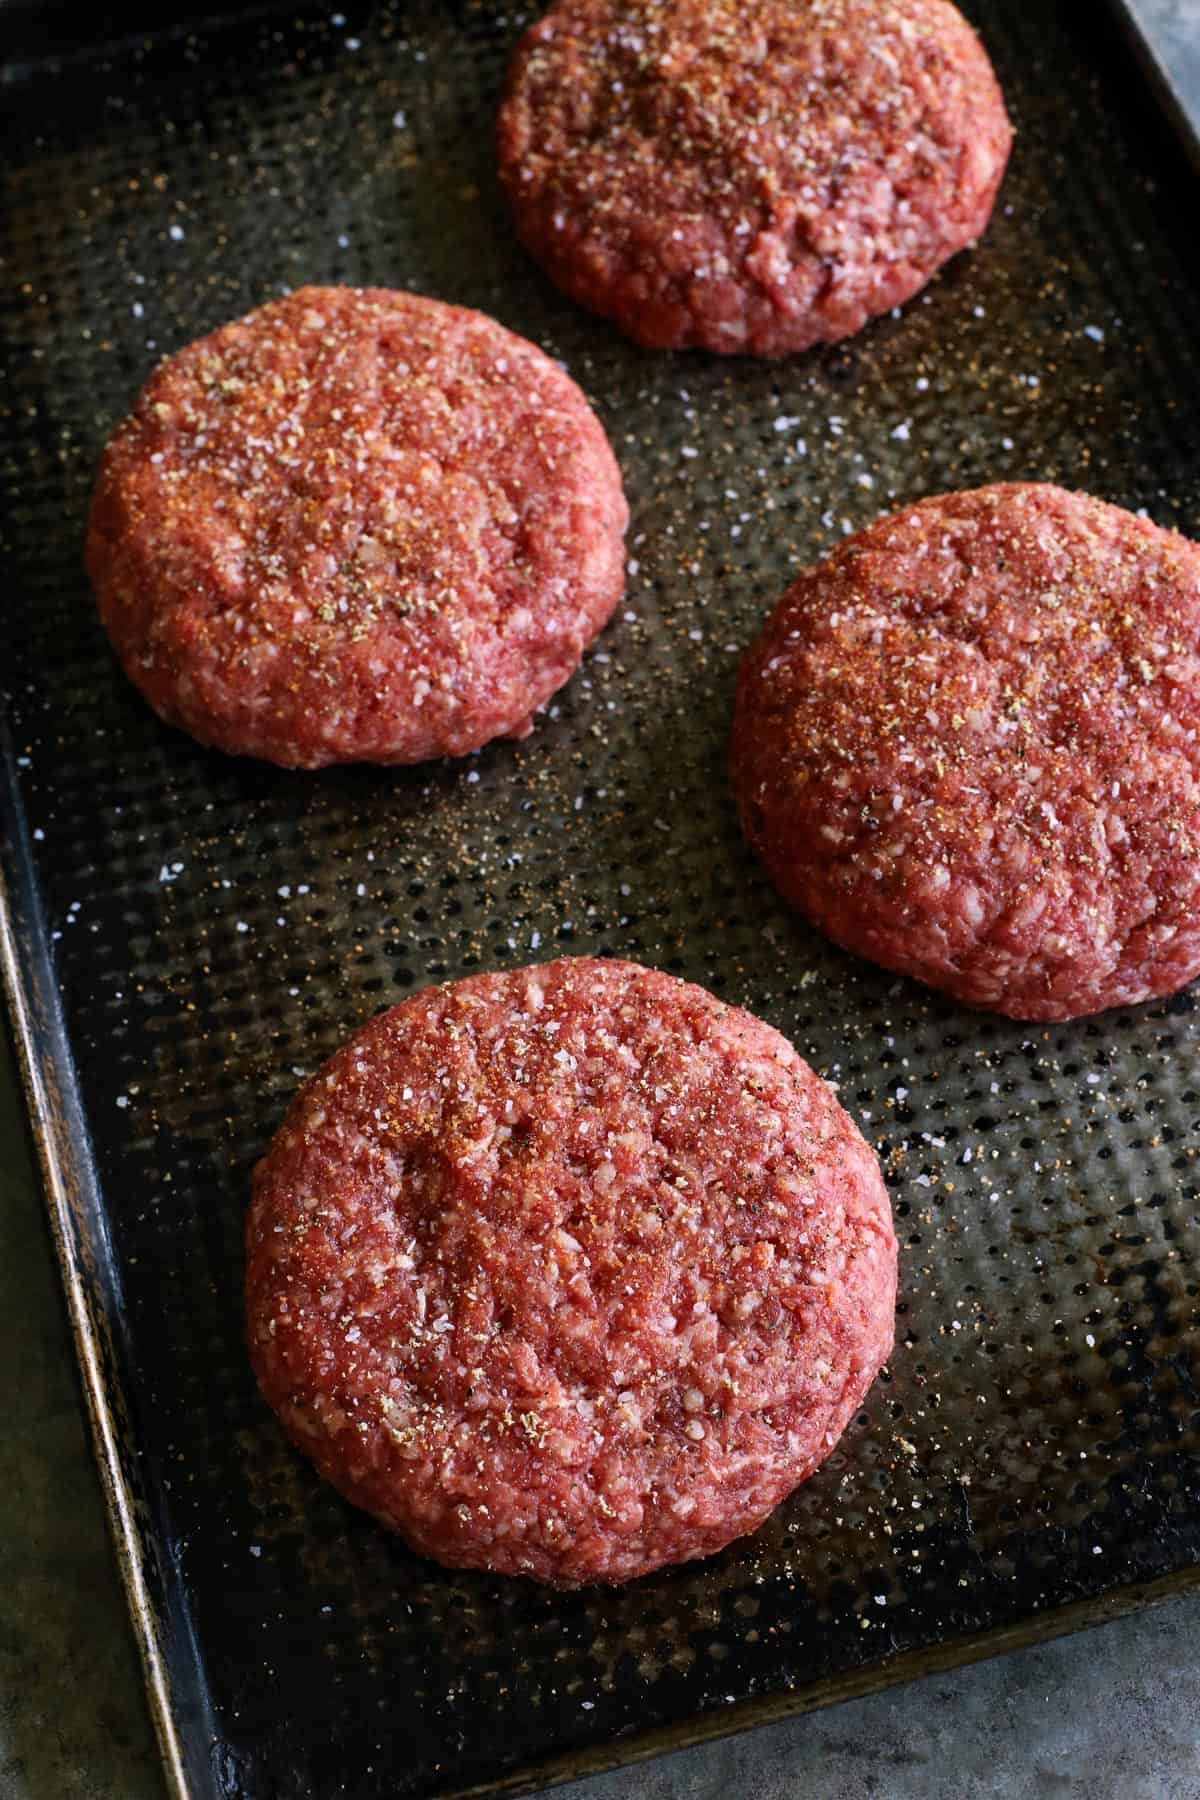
point(569, 1271)
point(356, 525)
point(749, 175)
point(966, 746)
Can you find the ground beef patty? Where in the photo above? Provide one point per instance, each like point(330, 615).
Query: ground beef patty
point(966, 746)
point(749, 175)
point(356, 525)
point(569, 1271)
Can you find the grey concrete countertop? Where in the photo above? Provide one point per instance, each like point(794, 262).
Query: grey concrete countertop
point(1112, 1714)
point(1172, 28)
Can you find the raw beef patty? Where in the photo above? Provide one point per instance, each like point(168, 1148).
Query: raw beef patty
point(966, 746)
point(568, 1272)
point(749, 175)
point(356, 525)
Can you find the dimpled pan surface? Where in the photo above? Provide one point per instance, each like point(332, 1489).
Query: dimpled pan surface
point(187, 935)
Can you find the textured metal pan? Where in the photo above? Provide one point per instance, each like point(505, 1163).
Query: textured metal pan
point(186, 934)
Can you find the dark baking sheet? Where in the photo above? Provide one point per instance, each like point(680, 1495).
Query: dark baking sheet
point(184, 935)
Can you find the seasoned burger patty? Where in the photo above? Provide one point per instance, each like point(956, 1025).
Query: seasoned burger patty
point(356, 525)
point(568, 1272)
point(966, 746)
point(749, 175)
